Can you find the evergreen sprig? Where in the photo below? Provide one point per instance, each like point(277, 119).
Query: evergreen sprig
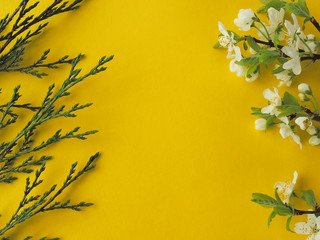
point(24, 27)
point(17, 155)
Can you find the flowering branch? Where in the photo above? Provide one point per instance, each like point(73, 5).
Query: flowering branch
point(282, 206)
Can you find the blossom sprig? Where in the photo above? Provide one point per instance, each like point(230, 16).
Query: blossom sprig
point(280, 43)
point(290, 113)
point(282, 205)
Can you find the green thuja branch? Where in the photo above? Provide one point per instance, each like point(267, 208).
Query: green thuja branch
point(46, 112)
point(17, 154)
point(31, 205)
point(24, 27)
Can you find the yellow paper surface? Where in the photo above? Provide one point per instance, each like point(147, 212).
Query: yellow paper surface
point(180, 155)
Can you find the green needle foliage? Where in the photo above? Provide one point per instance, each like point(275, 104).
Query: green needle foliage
point(17, 154)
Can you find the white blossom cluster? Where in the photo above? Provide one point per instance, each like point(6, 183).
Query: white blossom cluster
point(291, 110)
point(280, 40)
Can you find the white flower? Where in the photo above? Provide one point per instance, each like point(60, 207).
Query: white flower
point(303, 122)
point(274, 99)
point(285, 189)
point(294, 32)
point(310, 41)
point(226, 40)
point(286, 131)
point(245, 19)
point(294, 63)
point(275, 19)
point(261, 124)
point(275, 16)
point(302, 97)
point(309, 228)
point(234, 67)
point(253, 77)
point(312, 130)
point(304, 88)
point(314, 140)
point(284, 77)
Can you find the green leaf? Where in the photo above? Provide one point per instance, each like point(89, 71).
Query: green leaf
point(290, 110)
point(253, 44)
point(278, 198)
point(300, 9)
point(264, 200)
point(255, 68)
point(282, 60)
point(217, 45)
point(272, 216)
point(278, 70)
point(268, 57)
point(257, 112)
point(288, 224)
point(283, 211)
point(265, 1)
point(309, 197)
point(245, 46)
point(290, 100)
point(277, 4)
point(248, 61)
point(270, 121)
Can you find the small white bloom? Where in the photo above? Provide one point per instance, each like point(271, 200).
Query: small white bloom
point(284, 77)
point(294, 33)
point(304, 88)
point(303, 122)
point(234, 67)
point(274, 99)
point(226, 40)
point(275, 19)
point(245, 19)
point(275, 16)
point(286, 131)
point(285, 189)
point(314, 140)
point(294, 64)
point(310, 41)
point(312, 130)
point(261, 124)
point(311, 227)
point(253, 77)
point(302, 97)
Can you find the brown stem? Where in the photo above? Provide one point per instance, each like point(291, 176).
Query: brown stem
point(315, 116)
point(314, 58)
point(315, 23)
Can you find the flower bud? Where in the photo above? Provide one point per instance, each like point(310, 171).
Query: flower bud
point(304, 88)
point(261, 124)
point(314, 140)
point(312, 130)
point(303, 97)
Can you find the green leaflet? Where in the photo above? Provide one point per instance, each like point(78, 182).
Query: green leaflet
point(268, 57)
point(255, 68)
point(283, 211)
point(278, 70)
point(277, 4)
point(253, 44)
point(248, 61)
point(288, 224)
point(300, 8)
point(270, 121)
point(289, 110)
point(272, 216)
point(309, 197)
point(290, 99)
point(264, 200)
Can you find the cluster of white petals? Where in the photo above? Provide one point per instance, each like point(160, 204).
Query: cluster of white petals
point(285, 189)
point(311, 227)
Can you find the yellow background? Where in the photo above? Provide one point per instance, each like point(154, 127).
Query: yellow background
point(180, 155)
